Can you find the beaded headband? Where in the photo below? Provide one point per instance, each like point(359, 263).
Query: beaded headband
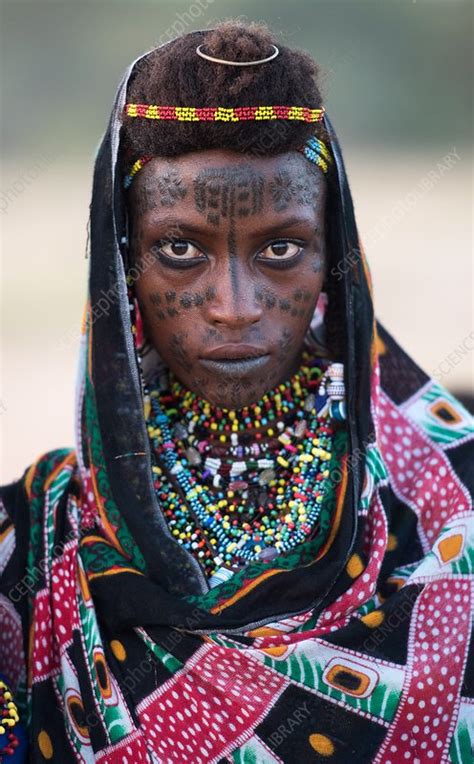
point(223, 113)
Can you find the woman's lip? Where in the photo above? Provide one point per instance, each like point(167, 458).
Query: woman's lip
point(235, 366)
point(233, 351)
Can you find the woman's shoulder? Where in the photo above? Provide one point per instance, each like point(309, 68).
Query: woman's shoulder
point(22, 506)
point(38, 477)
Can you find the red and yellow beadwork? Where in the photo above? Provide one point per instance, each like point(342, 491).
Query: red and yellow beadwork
point(223, 113)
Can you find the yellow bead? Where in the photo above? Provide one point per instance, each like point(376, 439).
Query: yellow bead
point(271, 432)
point(282, 461)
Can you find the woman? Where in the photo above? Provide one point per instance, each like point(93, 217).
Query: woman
point(259, 550)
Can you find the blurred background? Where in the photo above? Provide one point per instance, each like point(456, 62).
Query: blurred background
point(397, 78)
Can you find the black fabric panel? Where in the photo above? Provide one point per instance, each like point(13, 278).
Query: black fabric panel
point(388, 641)
point(92, 720)
point(403, 524)
point(141, 672)
point(299, 714)
point(400, 376)
point(467, 688)
point(462, 461)
point(48, 717)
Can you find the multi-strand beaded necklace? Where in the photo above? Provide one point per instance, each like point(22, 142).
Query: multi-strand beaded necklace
point(244, 485)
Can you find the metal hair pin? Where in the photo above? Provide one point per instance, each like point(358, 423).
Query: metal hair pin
point(237, 63)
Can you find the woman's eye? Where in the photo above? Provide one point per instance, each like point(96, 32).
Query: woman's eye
point(179, 249)
point(281, 250)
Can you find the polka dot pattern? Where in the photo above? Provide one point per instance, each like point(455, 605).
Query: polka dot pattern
point(420, 472)
point(45, 661)
point(131, 750)
point(11, 642)
point(64, 586)
point(430, 699)
point(203, 712)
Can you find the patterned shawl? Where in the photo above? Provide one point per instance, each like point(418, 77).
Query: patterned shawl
point(113, 642)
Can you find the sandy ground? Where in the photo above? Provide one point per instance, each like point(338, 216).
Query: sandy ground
point(417, 229)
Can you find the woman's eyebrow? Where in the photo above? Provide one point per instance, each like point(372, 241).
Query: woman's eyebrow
point(287, 223)
point(175, 225)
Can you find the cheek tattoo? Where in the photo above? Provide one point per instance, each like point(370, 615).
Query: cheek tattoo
point(179, 352)
point(265, 296)
point(165, 304)
point(268, 298)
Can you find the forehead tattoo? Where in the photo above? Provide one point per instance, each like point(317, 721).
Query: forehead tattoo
point(162, 190)
point(224, 193)
point(285, 188)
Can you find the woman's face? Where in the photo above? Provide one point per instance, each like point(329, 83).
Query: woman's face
point(230, 251)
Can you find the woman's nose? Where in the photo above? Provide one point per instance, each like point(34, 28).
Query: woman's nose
point(233, 303)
